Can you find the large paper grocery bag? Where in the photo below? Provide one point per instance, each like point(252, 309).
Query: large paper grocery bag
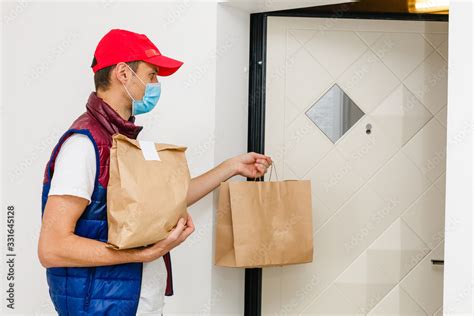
point(264, 223)
point(146, 192)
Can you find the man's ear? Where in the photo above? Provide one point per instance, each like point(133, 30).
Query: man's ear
point(121, 72)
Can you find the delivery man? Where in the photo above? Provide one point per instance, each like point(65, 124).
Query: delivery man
point(84, 276)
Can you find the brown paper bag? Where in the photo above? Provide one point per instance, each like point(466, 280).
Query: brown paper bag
point(264, 223)
point(145, 198)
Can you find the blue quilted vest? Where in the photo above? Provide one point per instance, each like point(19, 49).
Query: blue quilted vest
point(101, 290)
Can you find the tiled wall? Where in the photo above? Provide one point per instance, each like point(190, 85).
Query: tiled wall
point(378, 198)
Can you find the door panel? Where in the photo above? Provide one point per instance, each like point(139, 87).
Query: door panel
point(378, 190)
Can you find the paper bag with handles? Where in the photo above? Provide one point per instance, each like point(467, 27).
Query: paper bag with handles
point(264, 223)
point(146, 192)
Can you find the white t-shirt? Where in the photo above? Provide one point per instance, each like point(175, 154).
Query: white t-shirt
point(74, 174)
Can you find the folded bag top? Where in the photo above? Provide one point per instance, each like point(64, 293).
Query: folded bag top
point(136, 143)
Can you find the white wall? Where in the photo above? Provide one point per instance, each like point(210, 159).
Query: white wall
point(459, 220)
point(233, 27)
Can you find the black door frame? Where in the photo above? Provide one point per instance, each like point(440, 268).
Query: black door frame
point(256, 100)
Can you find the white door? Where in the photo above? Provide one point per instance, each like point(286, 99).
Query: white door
point(359, 107)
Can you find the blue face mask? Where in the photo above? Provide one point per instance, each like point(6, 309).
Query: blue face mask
point(150, 98)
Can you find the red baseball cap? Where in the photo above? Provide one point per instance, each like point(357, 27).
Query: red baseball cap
point(124, 46)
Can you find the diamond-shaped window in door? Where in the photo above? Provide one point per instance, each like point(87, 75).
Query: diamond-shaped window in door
point(334, 113)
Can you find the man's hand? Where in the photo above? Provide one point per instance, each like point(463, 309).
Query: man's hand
point(250, 165)
point(183, 229)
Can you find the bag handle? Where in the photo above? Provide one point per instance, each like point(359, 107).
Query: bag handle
point(271, 169)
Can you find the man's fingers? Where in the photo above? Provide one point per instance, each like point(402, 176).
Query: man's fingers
point(190, 221)
point(181, 223)
point(189, 224)
point(188, 231)
point(178, 229)
point(189, 228)
point(263, 162)
point(263, 158)
point(261, 167)
point(257, 156)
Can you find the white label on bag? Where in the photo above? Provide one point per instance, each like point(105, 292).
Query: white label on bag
point(149, 150)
